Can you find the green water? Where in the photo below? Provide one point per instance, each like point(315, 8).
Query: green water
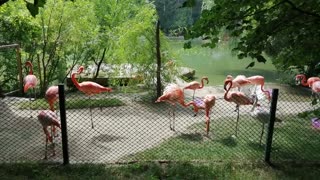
point(219, 62)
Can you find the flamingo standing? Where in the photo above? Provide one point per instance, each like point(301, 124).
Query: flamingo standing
point(302, 79)
point(238, 98)
point(88, 87)
point(238, 82)
point(206, 103)
point(48, 118)
point(173, 94)
point(196, 85)
point(52, 95)
point(30, 81)
point(259, 80)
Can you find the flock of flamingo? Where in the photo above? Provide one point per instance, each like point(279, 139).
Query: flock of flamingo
point(48, 117)
point(172, 94)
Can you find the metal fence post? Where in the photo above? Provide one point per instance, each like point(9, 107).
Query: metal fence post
point(273, 109)
point(63, 119)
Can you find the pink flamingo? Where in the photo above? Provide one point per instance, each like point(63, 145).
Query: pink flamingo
point(238, 98)
point(52, 95)
point(259, 80)
point(30, 81)
point(206, 103)
point(173, 94)
point(196, 85)
point(301, 79)
point(238, 82)
point(88, 87)
point(48, 118)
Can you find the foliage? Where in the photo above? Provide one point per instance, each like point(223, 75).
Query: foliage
point(287, 30)
point(16, 27)
point(178, 14)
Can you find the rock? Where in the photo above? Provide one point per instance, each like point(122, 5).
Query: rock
point(186, 72)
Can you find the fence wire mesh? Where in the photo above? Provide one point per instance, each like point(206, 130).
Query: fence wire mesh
point(123, 127)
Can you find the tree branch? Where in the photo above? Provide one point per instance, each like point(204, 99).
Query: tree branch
point(294, 7)
point(3, 1)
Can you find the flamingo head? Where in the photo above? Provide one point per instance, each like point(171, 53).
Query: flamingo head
point(206, 78)
point(81, 68)
point(299, 78)
point(226, 82)
point(28, 63)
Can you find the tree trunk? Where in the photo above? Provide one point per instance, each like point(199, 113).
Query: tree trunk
point(158, 59)
point(99, 64)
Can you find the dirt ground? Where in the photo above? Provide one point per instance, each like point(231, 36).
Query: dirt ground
point(118, 131)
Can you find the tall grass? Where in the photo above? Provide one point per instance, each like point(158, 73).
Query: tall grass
point(219, 62)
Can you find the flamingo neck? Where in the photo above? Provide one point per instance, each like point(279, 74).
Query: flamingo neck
point(202, 83)
point(190, 103)
point(304, 81)
point(74, 80)
point(266, 91)
point(227, 91)
point(30, 68)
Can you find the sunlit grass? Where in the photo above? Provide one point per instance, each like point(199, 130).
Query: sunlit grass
point(219, 62)
point(292, 135)
point(73, 103)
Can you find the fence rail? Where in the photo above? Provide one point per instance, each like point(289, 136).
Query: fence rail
point(122, 127)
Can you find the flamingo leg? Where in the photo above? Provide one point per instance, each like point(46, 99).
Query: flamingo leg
point(174, 118)
point(237, 109)
point(91, 113)
point(261, 134)
point(194, 91)
point(207, 124)
point(53, 143)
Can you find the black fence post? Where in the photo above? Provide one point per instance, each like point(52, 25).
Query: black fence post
point(273, 109)
point(63, 119)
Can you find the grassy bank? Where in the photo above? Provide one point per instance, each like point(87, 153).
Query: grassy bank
point(157, 171)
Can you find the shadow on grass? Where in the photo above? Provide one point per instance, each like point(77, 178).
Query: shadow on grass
point(195, 137)
point(229, 141)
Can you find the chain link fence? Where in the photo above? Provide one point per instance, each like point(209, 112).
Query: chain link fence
point(124, 127)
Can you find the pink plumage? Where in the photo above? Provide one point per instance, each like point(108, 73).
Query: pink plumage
point(48, 118)
point(194, 85)
point(52, 95)
point(30, 81)
point(88, 87)
point(302, 79)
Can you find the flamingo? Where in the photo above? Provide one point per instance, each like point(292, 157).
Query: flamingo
point(30, 81)
point(263, 116)
point(238, 82)
point(173, 94)
point(88, 87)
point(259, 80)
point(206, 103)
point(196, 85)
point(52, 95)
point(238, 98)
point(48, 118)
point(301, 79)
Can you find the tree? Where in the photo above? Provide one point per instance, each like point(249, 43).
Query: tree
point(286, 30)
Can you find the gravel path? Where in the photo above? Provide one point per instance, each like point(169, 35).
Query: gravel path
point(118, 131)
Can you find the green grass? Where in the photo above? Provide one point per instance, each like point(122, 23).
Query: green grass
point(295, 140)
point(73, 103)
point(219, 62)
point(154, 170)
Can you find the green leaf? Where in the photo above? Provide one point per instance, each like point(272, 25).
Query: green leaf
point(250, 65)
point(187, 45)
point(260, 58)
